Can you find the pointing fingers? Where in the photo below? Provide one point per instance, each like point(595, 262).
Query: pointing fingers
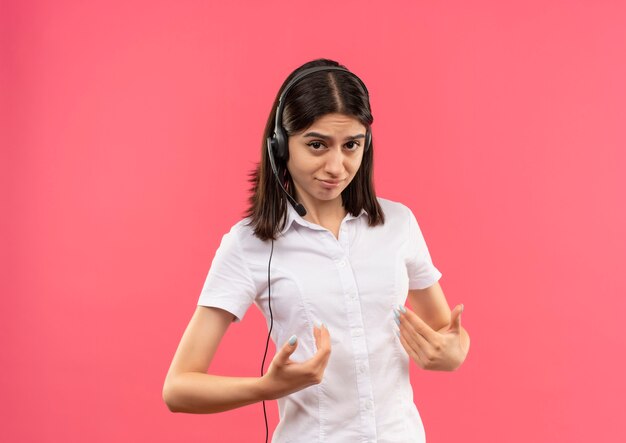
point(416, 323)
point(416, 345)
point(322, 342)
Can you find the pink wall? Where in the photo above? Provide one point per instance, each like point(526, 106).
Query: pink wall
point(129, 128)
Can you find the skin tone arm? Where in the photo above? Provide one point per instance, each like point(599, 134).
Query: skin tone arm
point(431, 334)
point(189, 388)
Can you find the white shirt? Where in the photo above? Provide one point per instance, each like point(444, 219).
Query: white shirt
point(352, 285)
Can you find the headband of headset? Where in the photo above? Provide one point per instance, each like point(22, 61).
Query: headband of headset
point(278, 141)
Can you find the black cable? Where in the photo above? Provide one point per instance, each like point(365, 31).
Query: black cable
point(269, 301)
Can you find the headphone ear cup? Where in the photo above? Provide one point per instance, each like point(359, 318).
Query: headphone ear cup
point(273, 145)
point(282, 150)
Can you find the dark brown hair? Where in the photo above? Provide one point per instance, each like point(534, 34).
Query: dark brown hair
point(315, 95)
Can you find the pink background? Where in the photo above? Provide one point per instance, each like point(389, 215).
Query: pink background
point(129, 129)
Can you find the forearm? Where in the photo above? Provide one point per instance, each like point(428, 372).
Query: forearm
point(199, 393)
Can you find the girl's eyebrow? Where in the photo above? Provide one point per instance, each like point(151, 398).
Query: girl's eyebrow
point(328, 137)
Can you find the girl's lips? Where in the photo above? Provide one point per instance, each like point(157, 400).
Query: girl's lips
point(330, 185)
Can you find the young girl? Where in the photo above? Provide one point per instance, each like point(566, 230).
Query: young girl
point(330, 265)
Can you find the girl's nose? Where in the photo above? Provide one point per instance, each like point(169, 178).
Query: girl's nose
point(334, 162)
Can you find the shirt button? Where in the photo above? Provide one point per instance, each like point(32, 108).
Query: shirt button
point(369, 404)
point(356, 332)
point(353, 295)
point(341, 263)
point(361, 369)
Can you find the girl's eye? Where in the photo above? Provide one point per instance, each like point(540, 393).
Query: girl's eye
point(352, 145)
point(314, 145)
point(355, 145)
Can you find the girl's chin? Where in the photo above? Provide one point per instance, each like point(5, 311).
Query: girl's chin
point(326, 195)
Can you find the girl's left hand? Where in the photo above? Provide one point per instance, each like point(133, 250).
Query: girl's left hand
point(433, 350)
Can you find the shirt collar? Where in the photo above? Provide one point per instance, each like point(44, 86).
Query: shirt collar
point(293, 216)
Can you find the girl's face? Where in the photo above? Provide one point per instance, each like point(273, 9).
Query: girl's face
point(325, 157)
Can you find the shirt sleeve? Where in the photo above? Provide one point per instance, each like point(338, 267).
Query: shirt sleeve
point(421, 271)
point(229, 283)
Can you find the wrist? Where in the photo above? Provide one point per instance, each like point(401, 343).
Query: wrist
point(262, 389)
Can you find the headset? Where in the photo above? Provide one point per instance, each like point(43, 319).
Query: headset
point(277, 146)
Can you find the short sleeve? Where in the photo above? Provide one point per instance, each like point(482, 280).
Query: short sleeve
point(229, 284)
point(421, 271)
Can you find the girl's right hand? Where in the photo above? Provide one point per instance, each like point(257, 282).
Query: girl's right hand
point(285, 376)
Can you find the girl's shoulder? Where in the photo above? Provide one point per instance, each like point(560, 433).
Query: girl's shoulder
point(393, 209)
